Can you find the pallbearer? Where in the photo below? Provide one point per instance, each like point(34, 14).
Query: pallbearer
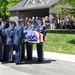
point(9, 40)
point(42, 29)
point(18, 37)
point(23, 44)
point(2, 38)
point(29, 46)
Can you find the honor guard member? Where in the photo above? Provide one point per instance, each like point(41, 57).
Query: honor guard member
point(18, 37)
point(23, 44)
point(9, 41)
point(29, 46)
point(2, 39)
point(42, 29)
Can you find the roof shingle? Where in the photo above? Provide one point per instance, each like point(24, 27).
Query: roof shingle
point(22, 6)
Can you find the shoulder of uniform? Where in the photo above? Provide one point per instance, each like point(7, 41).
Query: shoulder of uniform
point(1, 26)
point(15, 26)
point(6, 29)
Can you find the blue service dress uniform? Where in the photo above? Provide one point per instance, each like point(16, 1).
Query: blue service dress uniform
point(9, 43)
point(29, 47)
point(42, 29)
point(23, 44)
point(18, 37)
point(2, 28)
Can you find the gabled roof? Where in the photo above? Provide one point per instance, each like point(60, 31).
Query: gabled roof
point(24, 6)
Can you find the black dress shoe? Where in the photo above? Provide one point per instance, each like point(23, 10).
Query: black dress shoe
point(28, 59)
point(18, 63)
point(10, 61)
point(39, 61)
point(1, 60)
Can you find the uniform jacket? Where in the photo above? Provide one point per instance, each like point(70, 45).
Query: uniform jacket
point(41, 28)
point(29, 28)
point(9, 34)
point(18, 35)
point(1, 33)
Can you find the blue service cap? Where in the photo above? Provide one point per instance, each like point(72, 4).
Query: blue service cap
point(29, 22)
point(11, 21)
point(4, 20)
point(20, 20)
point(39, 18)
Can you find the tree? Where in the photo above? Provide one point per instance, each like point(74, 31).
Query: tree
point(3, 8)
point(64, 9)
point(11, 3)
point(5, 5)
point(71, 2)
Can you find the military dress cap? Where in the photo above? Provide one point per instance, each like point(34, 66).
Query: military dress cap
point(29, 22)
point(4, 20)
point(20, 20)
point(39, 18)
point(11, 21)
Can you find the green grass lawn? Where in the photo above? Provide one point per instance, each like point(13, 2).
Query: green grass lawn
point(60, 43)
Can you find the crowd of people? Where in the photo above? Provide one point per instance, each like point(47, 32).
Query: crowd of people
point(62, 23)
point(12, 36)
point(54, 23)
point(12, 39)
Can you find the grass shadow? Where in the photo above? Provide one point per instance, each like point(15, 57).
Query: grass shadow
point(72, 41)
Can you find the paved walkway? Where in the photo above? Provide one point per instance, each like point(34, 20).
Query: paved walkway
point(5, 70)
point(52, 65)
point(57, 56)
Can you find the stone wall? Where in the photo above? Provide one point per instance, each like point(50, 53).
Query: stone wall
point(14, 16)
point(52, 11)
point(31, 13)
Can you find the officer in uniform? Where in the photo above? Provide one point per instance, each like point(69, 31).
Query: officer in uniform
point(9, 41)
point(29, 46)
point(2, 39)
point(18, 37)
point(23, 44)
point(42, 29)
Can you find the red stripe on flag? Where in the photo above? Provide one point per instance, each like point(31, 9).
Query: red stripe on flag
point(40, 37)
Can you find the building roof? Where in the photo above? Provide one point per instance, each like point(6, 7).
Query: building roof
point(25, 5)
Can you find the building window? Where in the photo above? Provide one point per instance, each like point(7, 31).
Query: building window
point(33, 2)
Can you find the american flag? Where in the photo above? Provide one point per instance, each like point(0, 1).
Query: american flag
point(32, 36)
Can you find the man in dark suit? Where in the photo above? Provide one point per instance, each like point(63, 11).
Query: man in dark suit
point(18, 37)
point(9, 41)
point(68, 23)
point(29, 46)
point(42, 29)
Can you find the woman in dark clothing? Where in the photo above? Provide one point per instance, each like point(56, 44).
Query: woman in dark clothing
point(47, 22)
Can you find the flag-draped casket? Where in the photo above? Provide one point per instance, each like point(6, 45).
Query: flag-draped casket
point(32, 36)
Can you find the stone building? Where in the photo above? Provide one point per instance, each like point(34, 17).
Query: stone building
point(29, 8)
